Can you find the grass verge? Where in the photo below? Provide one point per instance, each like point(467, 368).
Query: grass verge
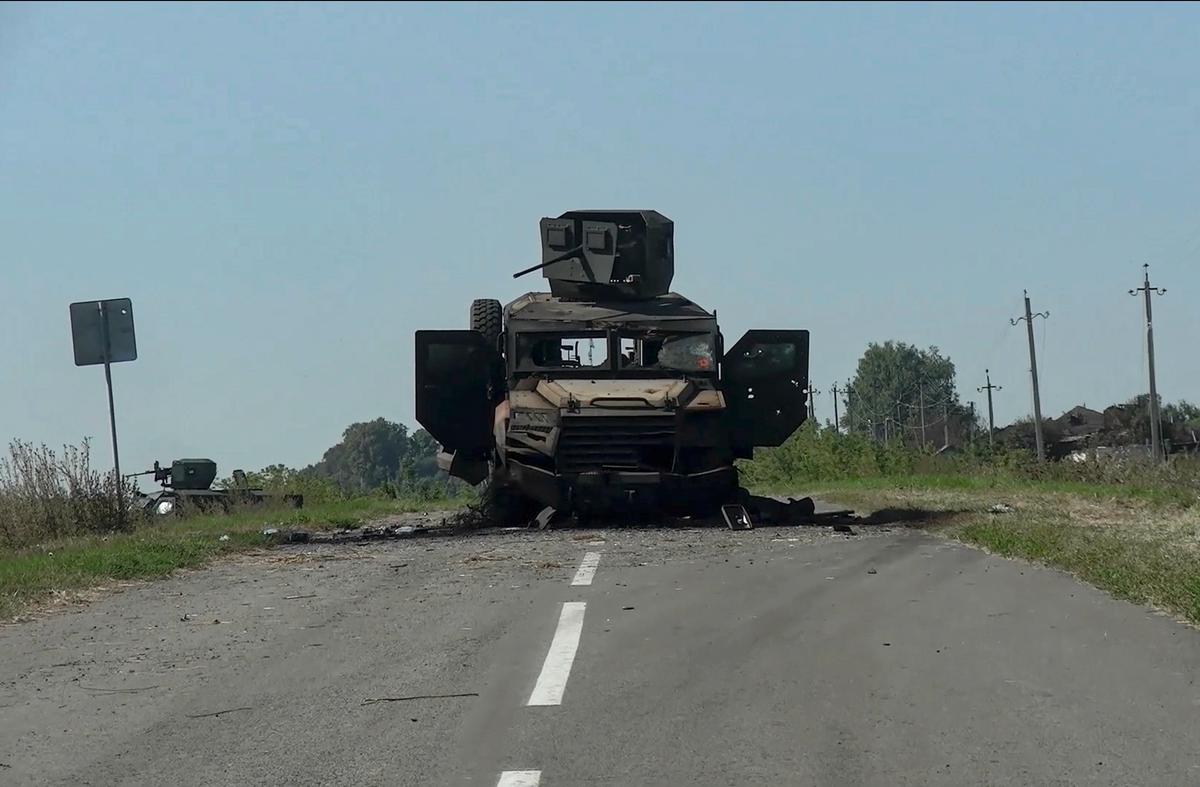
point(155, 550)
point(1140, 544)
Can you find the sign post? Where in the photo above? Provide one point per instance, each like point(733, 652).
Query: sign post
point(102, 333)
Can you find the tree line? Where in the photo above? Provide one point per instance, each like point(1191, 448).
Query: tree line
point(906, 395)
point(373, 457)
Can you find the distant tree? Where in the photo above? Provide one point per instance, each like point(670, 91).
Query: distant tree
point(423, 449)
point(368, 455)
point(1178, 419)
point(888, 386)
point(376, 456)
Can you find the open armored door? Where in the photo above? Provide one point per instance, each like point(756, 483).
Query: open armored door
point(765, 382)
point(454, 398)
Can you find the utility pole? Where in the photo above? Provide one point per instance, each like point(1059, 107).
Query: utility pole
point(850, 410)
point(1156, 446)
point(837, 423)
point(971, 431)
point(812, 395)
point(945, 424)
point(991, 414)
point(1037, 400)
point(921, 389)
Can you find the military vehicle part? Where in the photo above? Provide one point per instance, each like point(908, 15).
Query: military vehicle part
point(193, 474)
point(736, 517)
point(487, 317)
point(607, 255)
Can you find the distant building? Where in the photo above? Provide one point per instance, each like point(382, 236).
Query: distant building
point(1080, 421)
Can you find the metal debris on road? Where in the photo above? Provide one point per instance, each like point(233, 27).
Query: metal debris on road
point(545, 517)
point(373, 700)
point(306, 595)
point(737, 517)
point(365, 533)
point(216, 713)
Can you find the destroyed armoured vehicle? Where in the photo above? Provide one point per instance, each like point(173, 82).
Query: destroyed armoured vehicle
point(187, 483)
point(609, 391)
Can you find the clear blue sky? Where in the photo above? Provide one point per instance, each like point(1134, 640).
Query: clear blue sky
point(287, 192)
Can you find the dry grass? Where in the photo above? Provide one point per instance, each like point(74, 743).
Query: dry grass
point(44, 495)
point(1144, 549)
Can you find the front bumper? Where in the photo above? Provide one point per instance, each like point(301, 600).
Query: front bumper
point(617, 490)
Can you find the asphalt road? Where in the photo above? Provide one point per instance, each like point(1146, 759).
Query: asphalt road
point(683, 657)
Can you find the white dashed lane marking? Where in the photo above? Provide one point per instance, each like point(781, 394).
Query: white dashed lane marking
point(552, 682)
point(519, 779)
point(587, 569)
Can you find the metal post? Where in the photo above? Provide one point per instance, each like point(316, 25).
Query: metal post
point(991, 414)
point(1156, 446)
point(1037, 399)
point(921, 389)
point(850, 410)
point(837, 423)
point(112, 414)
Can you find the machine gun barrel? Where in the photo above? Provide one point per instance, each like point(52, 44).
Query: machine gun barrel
point(566, 255)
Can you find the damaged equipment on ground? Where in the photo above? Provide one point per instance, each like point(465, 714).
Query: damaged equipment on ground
point(187, 484)
point(610, 393)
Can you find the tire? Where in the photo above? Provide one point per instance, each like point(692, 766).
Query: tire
point(511, 508)
point(488, 318)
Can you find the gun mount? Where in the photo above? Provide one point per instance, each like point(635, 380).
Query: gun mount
point(607, 255)
point(189, 474)
point(189, 481)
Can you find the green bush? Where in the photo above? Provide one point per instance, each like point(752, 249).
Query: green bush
point(814, 454)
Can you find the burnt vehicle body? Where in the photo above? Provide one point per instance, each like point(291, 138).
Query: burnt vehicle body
point(187, 484)
point(609, 391)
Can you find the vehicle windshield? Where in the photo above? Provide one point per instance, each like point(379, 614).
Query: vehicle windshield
point(582, 350)
point(687, 353)
point(590, 350)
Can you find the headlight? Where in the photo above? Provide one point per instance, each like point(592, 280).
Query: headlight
point(164, 507)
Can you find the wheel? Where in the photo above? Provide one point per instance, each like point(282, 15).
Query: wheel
point(488, 318)
point(511, 508)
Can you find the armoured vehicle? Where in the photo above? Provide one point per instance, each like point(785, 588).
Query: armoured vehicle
point(610, 391)
point(188, 483)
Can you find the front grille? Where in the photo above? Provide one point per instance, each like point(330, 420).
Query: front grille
point(616, 442)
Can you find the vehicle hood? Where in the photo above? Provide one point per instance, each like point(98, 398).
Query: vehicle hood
point(633, 394)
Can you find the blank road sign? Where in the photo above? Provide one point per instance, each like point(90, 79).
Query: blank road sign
point(88, 334)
